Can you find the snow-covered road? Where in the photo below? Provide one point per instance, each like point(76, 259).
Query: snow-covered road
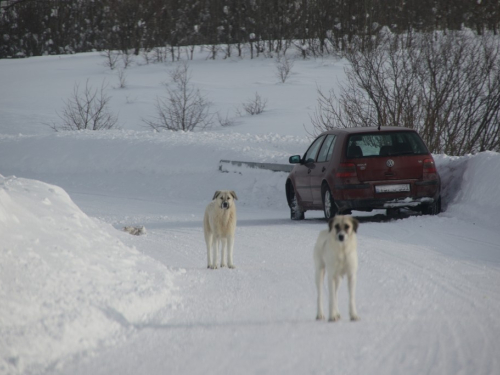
point(427, 291)
point(428, 298)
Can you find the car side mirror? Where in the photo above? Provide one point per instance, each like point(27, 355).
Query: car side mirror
point(295, 159)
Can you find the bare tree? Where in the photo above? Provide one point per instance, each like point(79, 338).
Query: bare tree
point(146, 55)
point(86, 110)
point(255, 106)
point(110, 58)
point(127, 58)
point(122, 77)
point(284, 65)
point(225, 120)
point(331, 112)
point(184, 108)
point(447, 87)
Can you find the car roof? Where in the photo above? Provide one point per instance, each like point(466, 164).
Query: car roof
point(367, 129)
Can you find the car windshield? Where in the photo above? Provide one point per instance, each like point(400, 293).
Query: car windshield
point(385, 144)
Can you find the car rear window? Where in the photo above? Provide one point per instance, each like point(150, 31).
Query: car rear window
point(385, 144)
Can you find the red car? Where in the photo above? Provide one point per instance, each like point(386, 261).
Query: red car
point(362, 169)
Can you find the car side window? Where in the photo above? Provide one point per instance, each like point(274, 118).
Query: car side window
point(310, 156)
point(326, 151)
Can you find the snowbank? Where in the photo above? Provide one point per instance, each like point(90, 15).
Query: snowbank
point(470, 186)
point(67, 283)
point(166, 165)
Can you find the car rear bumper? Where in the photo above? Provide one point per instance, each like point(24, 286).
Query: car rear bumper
point(364, 195)
point(363, 204)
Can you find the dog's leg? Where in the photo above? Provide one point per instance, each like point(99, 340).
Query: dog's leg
point(351, 280)
point(230, 243)
point(215, 253)
point(320, 275)
point(333, 289)
point(223, 257)
point(208, 240)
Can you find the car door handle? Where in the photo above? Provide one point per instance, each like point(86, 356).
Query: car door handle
point(324, 169)
point(308, 171)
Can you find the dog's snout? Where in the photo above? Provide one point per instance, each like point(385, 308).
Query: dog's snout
point(225, 205)
point(341, 237)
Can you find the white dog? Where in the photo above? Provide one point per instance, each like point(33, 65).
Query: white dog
point(219, 225)
point(336, 252)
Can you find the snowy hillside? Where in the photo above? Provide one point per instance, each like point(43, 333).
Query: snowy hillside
point(80, 296)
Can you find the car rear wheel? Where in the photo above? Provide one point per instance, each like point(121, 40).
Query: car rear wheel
point(393, 212)
point(433, 208)
point(329, 207)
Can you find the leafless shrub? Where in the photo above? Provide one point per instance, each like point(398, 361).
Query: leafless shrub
point(110, 58)
point(213, 51)
point(227, 50)
point(122, 77)
point(127, 58)
point(447, 87)
point(146, 55)
point(160, 54)
point(130, 100)
point(190, 51)
point(284, 65)
point(225, 120)
point(255, 106)
point(86, 110)
point(184, 108)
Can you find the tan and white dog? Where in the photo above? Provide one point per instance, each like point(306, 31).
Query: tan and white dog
point(335, 251)
point(219, 226)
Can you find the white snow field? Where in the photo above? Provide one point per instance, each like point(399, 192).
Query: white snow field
point(79, 296)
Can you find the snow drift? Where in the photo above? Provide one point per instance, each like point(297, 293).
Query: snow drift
point(67, 283)
point(470, 186)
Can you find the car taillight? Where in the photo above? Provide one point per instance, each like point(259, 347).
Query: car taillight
point(346, 170)
point(429, 166)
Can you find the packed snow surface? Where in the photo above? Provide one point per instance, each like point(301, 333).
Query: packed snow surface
point(78, 295)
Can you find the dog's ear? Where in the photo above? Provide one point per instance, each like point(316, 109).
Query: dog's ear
point(330, 224)
point(355, 224)
point(233, 194)
point(217, 193)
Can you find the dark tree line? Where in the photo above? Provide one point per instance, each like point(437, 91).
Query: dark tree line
point(37, 27)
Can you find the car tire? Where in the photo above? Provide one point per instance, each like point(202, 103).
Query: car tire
point(296, 212)
point(393, 212)
point(432, 209)
point(329, 208)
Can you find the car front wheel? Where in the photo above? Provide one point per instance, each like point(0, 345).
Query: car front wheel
point(296, 212)
point(329, 207)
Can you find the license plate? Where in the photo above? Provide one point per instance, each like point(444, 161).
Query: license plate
point(392, 188)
